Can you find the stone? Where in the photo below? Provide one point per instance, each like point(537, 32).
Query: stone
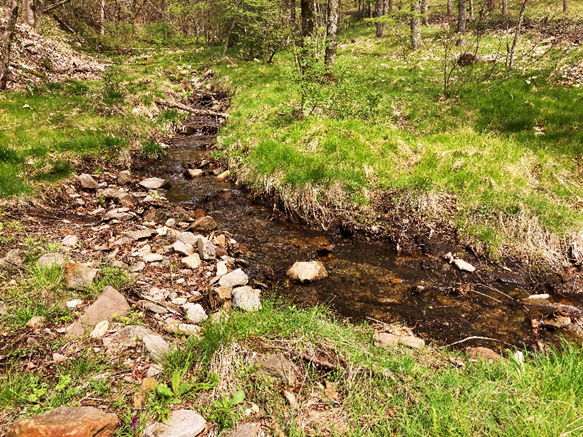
point(206, 249)
point(153, 308)
point(79, 275)
point(66, 421)
point(109, 303)
point(149, 384)
point(141, 234)
point(122, 241)
point(196, 314)
point(538, 296)
point(182, 423)
point(72, 304)
point(124, 177)
point(59, 358)
point(3, 309)
point(87, 181)
point(384, 339)
point(52, 259)
point(463, 265)
point(246, 299)
point(188, 238)
point(224, 175)
point(69, 240)
point(190, 173)
point(137, 267)
point(307, 271)
point(100, 329)
point(110, 193)
point(121, 214)
point(224, 293)
point(182, 328)
point(233, 279)
point(154, 370)
point(183, 248)
point(152, 257)
point(246, 430)
point(14, 259)
point(157, 347)
point(558, 322)
point(276, 366)
point(204, 224)
point(154, 183)
point(222, 268)
point(192, 261)
point(36, 322)
point(483, 353)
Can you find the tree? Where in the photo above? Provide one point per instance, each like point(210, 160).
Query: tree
point(504, 7)
point(416, 41)
point(381, 11)
point(307, 7)
point(491, 5)
point(461, 21)
point(6, 42)
point(331, 36)
point(449, 8)
point(425, 10)
point(565, 6)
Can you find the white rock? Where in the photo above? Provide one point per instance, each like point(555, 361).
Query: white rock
point(246, 298)
point(188, 238)
point(236, 277)
point(307, 271)
point(100, 329)
point(538, 296)
point(196, 314)
point(463, 265)
point(182, 423)
point(87, 181)
point(194, 173)
point(162, 231)
point(152, 257)
point(153, 183)
point(74, 303)
point(222, 268)
point(192, 261)
point(183, 248)
point(69, 240)
point(137, 267)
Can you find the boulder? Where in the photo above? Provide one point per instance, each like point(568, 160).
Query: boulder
point(182, 423)
point(154, 183)
point(246, 298)
point(233, 279)
point(79, 275)
point(52, 259)
point(124, 177)
point(196, 314)
point(66, 421)
point(307, 271)
point(109, 303)
point(206, 249)
point(204, 224)
point(384, 339)
point(14, 259)
point(276, 366)
point(87, 181)
point(192, 261)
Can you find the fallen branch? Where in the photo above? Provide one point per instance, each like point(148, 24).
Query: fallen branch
point(475, 338)
point(191, 110)
point(55, 5)
point(315, 361)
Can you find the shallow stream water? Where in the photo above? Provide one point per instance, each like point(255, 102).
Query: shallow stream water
point(366, 281)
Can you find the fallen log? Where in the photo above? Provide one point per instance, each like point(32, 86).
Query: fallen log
point(189, 109)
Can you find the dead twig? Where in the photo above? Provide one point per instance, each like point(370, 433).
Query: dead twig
point(315, 361)
point(190, 109)
point(475, 337)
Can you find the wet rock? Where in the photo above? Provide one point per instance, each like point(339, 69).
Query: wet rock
point(560, 322)
point(206, 249)
point(193, 173)
point(233, 279)
point(137, 267)
point(483, 353)
point(224, 175)
point(192, 261)
point(141, 234)
point(109, 303)
point(36, 322)
point(69, 240)
point(153, 308)
point(245, 430)
point(463, 265)
point(152, 257)
point(100, 329)
point(204, 224)
point(246, 299)
point(154, 183)
point(183, 248)
point(124, 177)
point(196, 314)
point(14, 259)
point(182, 423)
point(66, 421)
point(87, 181)
point(52, 259)
point(384, 339)
point(276, 366)
point(307, 271)
point(79, 275)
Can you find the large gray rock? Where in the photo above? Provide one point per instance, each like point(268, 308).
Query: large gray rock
point(154, 183)
point(233, 279)
point(206, 249)
point(52, 259)
point(66, 421)
point(196, 314)
point(111, 193)
point(122, 214)
point(79, 275)
point(307, 271)
point(14, 259)
point(246, 299)
point(182, 423)
point(156, 346)
point(109, 303)
point(276, 366)
point(188, 238)
point(87, 181)
point(384, 339)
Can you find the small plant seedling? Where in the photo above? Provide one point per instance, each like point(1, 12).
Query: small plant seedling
point(223, 411)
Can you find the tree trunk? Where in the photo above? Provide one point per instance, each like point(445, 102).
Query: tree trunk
point(416, 41)
point(565, 6)
point(390, 5)
point(331, 36)
point(425, 10)
point(505, 7)
point(102, 18)
point(491, 5)
point(510, 62)
point(471, 9)
point(449, 8)
point(381, 11)
point(228, 38)
point(307, 17)
point(461, 20)
point(6, 42)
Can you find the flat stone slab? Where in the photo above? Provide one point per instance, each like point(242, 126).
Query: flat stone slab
point(109, 303)
point(152, 257)
point(384, 339)
point(141, 234)
point(188, 238)
point(307, 271)
point(233, 279)
point(154, 183)
point(183, 248)
point(66, 421)
point(192, 261)
point(182, 423)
